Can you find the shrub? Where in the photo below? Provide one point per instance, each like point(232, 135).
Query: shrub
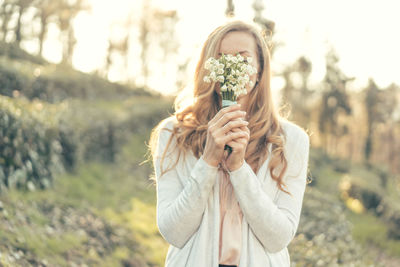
point(13, 51)
point(38, 139)
point(10, 81)
point(29, 148)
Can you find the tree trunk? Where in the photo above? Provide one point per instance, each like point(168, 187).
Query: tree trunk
point(18, 36)
point(42, 34)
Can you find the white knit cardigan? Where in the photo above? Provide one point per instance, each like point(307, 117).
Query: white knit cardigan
point(188, 204)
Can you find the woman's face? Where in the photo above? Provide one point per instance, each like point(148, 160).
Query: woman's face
point(243, 43)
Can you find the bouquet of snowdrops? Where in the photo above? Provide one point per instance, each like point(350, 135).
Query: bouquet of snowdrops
point(232, 72)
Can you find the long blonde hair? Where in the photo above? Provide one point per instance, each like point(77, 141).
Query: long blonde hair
point(190, 130)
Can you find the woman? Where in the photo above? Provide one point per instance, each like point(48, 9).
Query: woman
point(242, 208)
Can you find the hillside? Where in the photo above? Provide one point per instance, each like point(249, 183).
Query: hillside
point(73, 191)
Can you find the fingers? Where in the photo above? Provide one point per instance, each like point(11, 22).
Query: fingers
point(224, 111)
point(235, 124)
point(237, 115)
point(242, 129)
point(241, 141)
point(238, 144)
point(227, 114)
point(245, 128)
point(234, 135)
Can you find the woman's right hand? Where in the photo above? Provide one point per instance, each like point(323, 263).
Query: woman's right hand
point(219, 132)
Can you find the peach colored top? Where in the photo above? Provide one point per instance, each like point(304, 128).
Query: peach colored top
point(230, 238)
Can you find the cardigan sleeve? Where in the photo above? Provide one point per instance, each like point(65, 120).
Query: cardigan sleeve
point(274, 224)
point(180, 207)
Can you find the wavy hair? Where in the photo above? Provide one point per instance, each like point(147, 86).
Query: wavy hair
point(190, 130)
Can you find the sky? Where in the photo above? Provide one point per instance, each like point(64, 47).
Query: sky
point(364, 33)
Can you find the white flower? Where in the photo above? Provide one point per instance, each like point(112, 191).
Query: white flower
point(232, 72)
point(208, 63)
point(249, 59)
point(207, 79)
point(213, 76)
point(251, 70)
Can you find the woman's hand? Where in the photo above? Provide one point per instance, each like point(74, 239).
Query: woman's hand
point(219, 133)
point(235, 160)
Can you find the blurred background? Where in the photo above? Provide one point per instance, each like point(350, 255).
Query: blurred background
point(83, 82)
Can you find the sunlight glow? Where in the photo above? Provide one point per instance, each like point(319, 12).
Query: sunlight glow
point(362, 32)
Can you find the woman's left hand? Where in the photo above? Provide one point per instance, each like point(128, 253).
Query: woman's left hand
point(235, 159)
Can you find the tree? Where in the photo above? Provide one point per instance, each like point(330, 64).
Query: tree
point(6, 11)
point(118, 46)
point(296, 94)
point(334, 101)
point(10, 8)
point(66, 12)
point(288, 89)
point(144, 29)
point(46, 9)
point(157, 35)
point(21, 5)
point(380, 105)
point(230, 9)
point(268, 26)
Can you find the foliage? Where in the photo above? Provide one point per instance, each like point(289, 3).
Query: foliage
point(55, 83)
point(324, 235)
point(335, 99)
point(14, 52)
point(40, 138)
point(29, 148)
point(367, 188)
point(11, 81)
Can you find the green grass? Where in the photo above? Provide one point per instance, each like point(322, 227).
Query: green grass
point(141, 219)
point(328, 180)
point(365, 178)
point(369, 230)
point(36, 241)
point(52, 248)
point(121, 193)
